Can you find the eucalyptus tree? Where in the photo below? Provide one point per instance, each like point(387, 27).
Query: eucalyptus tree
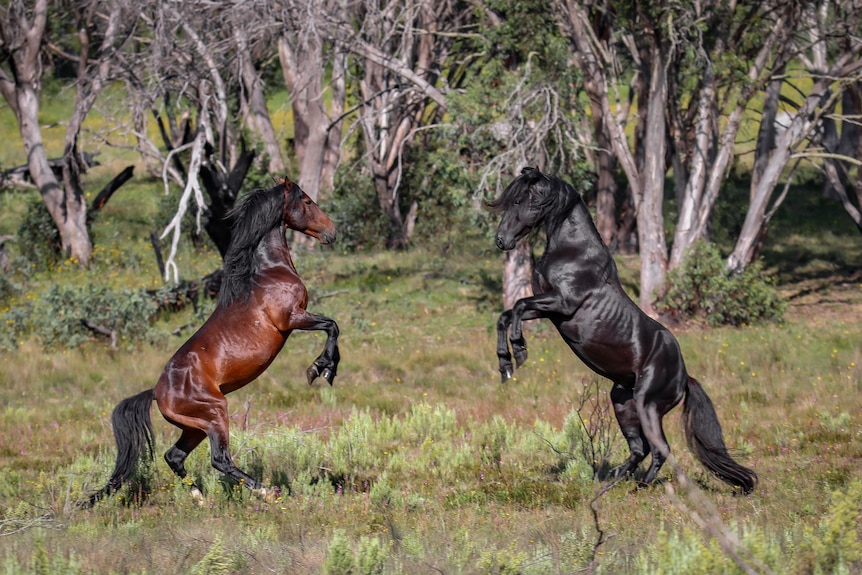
point(827, 44)
point(401, 48)
point(314, 68)
point(91, 36)
point(641, 30)
point(200, 77)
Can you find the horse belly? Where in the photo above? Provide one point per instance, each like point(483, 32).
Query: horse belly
point(603, 352)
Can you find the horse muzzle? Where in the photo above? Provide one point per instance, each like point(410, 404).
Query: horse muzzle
point(327, 238)
point(503, 244)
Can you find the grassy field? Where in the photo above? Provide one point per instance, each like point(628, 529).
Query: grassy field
point(418, 460)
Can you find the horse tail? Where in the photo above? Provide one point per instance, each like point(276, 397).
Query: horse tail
point(133, 432)
point(704, 437)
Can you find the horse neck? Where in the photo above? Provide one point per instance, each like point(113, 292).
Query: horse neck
point(274, 250)
point(576, 229)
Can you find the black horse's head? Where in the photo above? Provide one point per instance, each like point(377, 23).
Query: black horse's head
point(531, 199)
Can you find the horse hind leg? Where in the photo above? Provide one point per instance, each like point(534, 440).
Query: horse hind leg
point(205, 417)
point(651, 408)
point(625, 410)
point(176, 456)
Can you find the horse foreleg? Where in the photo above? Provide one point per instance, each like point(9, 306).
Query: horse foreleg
point(530, 308)
point(326, 364)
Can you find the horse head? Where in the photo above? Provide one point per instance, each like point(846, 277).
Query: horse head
point(523, 205)
point(302, 214)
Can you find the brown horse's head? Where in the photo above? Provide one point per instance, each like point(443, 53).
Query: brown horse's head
point(302, 214)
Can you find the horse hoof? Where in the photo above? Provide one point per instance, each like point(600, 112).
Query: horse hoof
point(198, 496)
point(267, 495)
point(312, 373)
point(520, 358)
point(505, 375)
point(328, 375)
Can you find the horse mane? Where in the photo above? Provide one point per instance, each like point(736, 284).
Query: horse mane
point(556, 198)
point(254, 218)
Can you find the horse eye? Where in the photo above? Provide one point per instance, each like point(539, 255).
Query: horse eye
point(307, 201)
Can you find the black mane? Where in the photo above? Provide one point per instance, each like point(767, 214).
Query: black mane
point(553, 197)
point(253, 219)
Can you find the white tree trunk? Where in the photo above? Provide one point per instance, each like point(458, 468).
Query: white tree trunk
point(653, 247)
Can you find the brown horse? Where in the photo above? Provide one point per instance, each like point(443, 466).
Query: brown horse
point(262, 300)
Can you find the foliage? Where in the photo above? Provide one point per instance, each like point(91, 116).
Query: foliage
point(57, 318)
point(701, 288)
point(834, 547)
point(354, 209)
point(38, 236)
point(214, 562)
point(339, 558)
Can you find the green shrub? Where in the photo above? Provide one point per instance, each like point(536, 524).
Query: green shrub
point(700, 288)
point(834, 547)
point(214, 562)
point(339, 557)
point(38, 237)
point(371, 556)
point(58, 315)
point(354, 209)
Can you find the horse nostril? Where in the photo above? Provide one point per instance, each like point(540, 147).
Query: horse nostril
point(500, 244)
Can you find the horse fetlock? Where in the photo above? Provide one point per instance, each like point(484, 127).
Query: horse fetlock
point(519, 351)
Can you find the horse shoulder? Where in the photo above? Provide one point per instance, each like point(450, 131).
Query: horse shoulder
point(283, 296)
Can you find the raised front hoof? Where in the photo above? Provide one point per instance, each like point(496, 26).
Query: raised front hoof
point(315, 371)
point(506, 371)
point(519, 352)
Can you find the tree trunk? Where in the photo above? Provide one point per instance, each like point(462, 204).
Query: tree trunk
point(692, 197)
point(67, 207)
point(257, 110)
point(756, 218)
point(653, 248)
point(517, 273)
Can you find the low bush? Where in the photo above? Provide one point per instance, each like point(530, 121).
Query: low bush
point(701, 288)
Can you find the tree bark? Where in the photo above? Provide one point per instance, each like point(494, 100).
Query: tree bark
point(256, 102)
point(653, 247)
point(67, 206)
point(517, 273)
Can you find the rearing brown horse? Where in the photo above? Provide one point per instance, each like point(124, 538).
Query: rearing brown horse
point(262, 300)
point(575, 285)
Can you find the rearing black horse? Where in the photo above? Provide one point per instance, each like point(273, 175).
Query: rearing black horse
point(576, 286)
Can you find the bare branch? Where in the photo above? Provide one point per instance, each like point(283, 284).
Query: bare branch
point(192, 189)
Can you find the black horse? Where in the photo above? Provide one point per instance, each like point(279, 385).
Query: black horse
point(576, 287)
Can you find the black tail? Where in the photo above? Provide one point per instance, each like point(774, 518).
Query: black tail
point(703, 433)
point(133, 432)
